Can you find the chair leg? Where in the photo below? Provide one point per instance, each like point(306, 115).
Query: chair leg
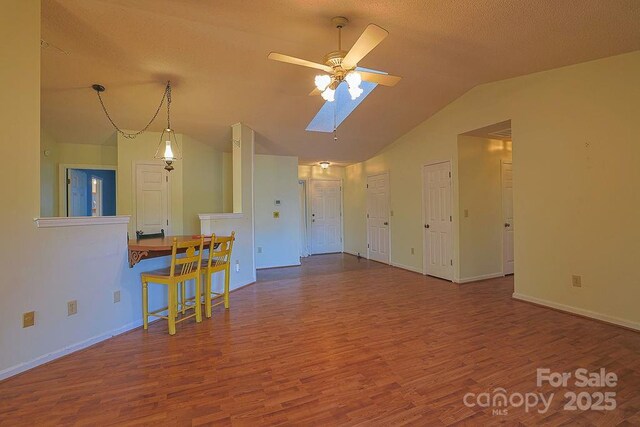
point(145, 306)
point(226, 286)
point(207, 295)
point(173, 308)
point(196, 300)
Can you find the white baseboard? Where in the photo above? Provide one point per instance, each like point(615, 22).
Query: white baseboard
point(481, 277)
point(579, 311)
point(406, 267)
point(278, 266)
point(25, 366)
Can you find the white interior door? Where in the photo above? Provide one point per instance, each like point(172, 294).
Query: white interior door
point(152, 201)
point(507, 215)
point(326, 218)
point(438, 254)
point(77, 193)
point(378, 217)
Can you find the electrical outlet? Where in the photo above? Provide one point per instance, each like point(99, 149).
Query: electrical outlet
point(413, 251)
point(237, 266)
point(259, 249)
point(28, 319)
point(576, 281)
point(72, 308)
point(116, 296)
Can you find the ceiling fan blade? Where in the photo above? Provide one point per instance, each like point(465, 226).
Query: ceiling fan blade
point(370, 38)
point(297, 61)
point(315, 92)
point(381, 79)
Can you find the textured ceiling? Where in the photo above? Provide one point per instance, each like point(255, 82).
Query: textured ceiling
point(215, 53)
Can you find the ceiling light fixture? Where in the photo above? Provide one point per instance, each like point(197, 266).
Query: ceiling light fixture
point(324, 165)
point(168, 148)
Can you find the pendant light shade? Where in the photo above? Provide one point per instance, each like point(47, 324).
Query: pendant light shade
point(168, 149)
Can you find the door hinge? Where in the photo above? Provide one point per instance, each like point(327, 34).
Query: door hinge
point(451, 262)
point(449, 174)
point(450, 218)
point(68, 180)
point(166, 178)
point(167, 222)
point(367, 215)
point(367, 185)
point(368, 245)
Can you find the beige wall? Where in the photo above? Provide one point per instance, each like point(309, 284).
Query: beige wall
point(575, 160)
point(480, 189)
point(276, 178)
point(48, 175)
point(227, 182)
point(203, 182)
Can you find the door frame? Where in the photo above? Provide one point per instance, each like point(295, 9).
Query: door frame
point(388, 207)
point(304, 214)
point(503, 162)
point(424, 236)
point(309, 200)
point(134, 192)
point(63, 209)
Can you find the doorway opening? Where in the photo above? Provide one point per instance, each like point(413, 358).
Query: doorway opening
point(87, 191)
point(486, 226)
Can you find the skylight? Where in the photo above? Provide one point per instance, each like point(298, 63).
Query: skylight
point(337, 111)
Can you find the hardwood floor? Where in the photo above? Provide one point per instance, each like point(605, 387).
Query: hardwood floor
point(338, 341)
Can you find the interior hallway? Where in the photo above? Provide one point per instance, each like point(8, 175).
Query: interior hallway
point(339, 340)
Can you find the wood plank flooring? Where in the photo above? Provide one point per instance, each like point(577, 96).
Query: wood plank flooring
point(338, 341)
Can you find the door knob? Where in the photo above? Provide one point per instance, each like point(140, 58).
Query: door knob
point(386, 223)
point(506, 224)
point(426, 226)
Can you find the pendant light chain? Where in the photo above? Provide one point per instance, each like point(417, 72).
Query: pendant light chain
point(166, 95)
point(167, 92)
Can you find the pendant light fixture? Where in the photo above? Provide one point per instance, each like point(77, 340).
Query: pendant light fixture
point(168, 147)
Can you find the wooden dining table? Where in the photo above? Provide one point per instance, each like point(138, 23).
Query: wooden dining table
point(155, 247)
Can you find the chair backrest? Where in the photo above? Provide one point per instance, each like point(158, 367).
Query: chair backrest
point(189, 264)
point(220, 249)
point(140, 235)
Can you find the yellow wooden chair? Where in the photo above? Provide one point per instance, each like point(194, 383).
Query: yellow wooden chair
point(174, 277)
point(219, 260)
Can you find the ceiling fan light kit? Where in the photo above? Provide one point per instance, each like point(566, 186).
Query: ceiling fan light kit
point(341, 65)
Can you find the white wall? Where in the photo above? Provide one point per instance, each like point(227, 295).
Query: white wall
point(575, 159)
point(276, 178)
point(480, 188)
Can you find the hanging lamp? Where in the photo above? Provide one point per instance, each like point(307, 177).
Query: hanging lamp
point(168, 148)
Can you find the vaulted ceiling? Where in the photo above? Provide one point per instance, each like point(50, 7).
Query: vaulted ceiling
point(215, 54)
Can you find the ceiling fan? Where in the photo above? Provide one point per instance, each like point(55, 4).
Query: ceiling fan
point(341, 65)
